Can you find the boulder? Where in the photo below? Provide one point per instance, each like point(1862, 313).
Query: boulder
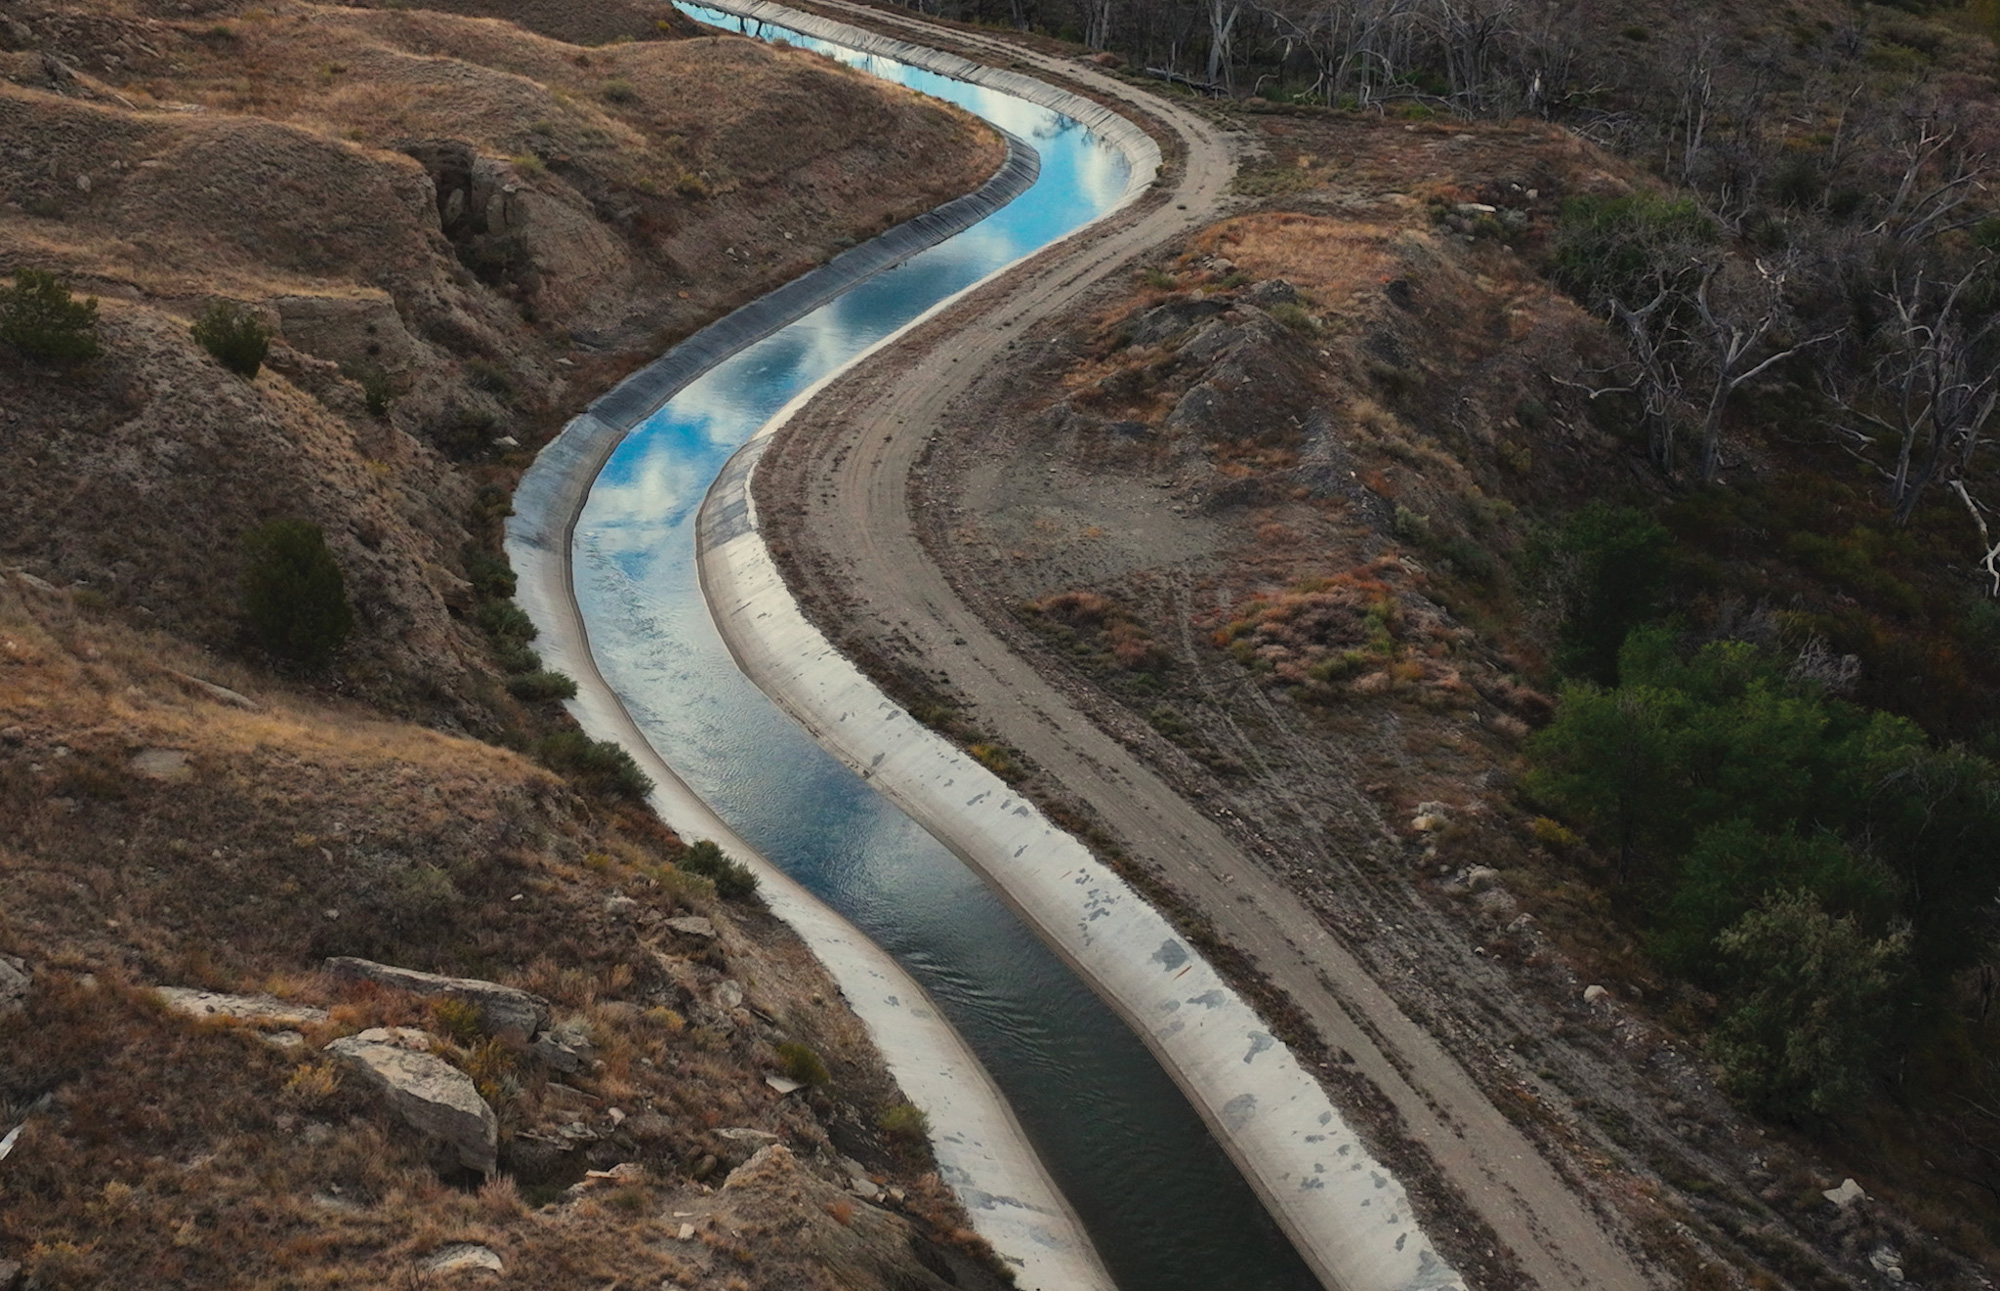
point(1846, 1194)
point(462, 1257)
point(160, 764)
point(1592, 994)
point(259, 1010)
point(692, 925)
point(15, 978)
point(502, 1009)
point(434, 1098)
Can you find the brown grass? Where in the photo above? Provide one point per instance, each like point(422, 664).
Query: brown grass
point(197, 1154)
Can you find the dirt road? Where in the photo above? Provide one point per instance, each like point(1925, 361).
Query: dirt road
point(863, 437)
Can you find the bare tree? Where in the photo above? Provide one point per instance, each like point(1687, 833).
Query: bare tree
point(1730, 341)
point(1933, 389)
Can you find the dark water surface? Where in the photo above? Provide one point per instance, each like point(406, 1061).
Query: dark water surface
point(1164, 1206)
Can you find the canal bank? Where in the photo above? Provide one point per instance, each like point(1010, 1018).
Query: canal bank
point(662, 699)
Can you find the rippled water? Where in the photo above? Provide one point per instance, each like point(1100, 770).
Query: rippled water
point(1164, 1206)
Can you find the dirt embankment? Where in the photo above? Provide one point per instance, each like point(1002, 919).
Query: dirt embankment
point(490, 224)
point(480, 227)
point(1245, 508)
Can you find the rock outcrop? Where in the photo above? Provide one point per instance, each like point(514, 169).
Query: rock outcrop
point(258, 1010)
point(503, 1010)
point(433, 1097)
point(15, 978)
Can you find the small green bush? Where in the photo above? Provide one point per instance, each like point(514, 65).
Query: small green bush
point(378, 392)
point(1291, 314)
point(516, 657)
point(541, 684)
point(905, 1121)
point(619, 90)
point(597, 765)
point(233, 336)
point(731, 878)
point(483, 374)
point(504, 620)
point(294, 593)
point(39, 317)
point(802, 1064)
point(490, 575)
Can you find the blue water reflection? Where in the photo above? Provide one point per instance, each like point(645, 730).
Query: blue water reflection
point(1163, 1204)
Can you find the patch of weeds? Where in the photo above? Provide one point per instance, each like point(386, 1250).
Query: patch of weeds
point(378, 390)
point(732, 879)
point(233, 336)
point(620, 91)
point(541, 684)
point(598, 765)
point(1295, 317)
point(905, 1122)
point(995, 758)
point(457, 1018)
point(803, 1064)
point(483, 374)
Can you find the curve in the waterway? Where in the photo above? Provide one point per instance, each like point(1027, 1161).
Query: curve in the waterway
point(979, 1145)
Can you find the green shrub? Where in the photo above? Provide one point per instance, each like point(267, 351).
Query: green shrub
point(597, 765)
point(492, 578)
point(1608, 248)
point(1291, 314)
point(619, 90)
point(378, 392)
point(39, 317)
point(233, 335)
point(1808, 1027)
point(905, 1121)
point(1603, 571)
point(294, 594)
point(731, 878)
point(541, 684)
point(504, 621)
point(482, 374)
point(516, 657)
point(802, 1064)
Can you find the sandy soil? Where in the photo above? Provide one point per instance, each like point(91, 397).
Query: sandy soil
point(846, 528)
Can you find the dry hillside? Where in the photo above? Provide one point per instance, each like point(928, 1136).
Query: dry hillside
point(489, 223)
point(460, 227)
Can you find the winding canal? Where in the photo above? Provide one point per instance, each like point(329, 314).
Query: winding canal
point(1162, 1203)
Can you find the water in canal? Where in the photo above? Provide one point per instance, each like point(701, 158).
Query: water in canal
point(1164, 1206)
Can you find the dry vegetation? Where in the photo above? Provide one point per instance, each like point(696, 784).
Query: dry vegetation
point(489, 224)
point(461, 226)
point(1281, 513)
point(156, 1146)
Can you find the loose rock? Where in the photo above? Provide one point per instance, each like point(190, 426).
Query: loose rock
point(1592, 994)
point(502, 1009)
point(463, 1257)
point(434, 1098)
point(263, 1010)
point(15, 979)
point(692, 925)
point(161, 764)
point(1846, 1194)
